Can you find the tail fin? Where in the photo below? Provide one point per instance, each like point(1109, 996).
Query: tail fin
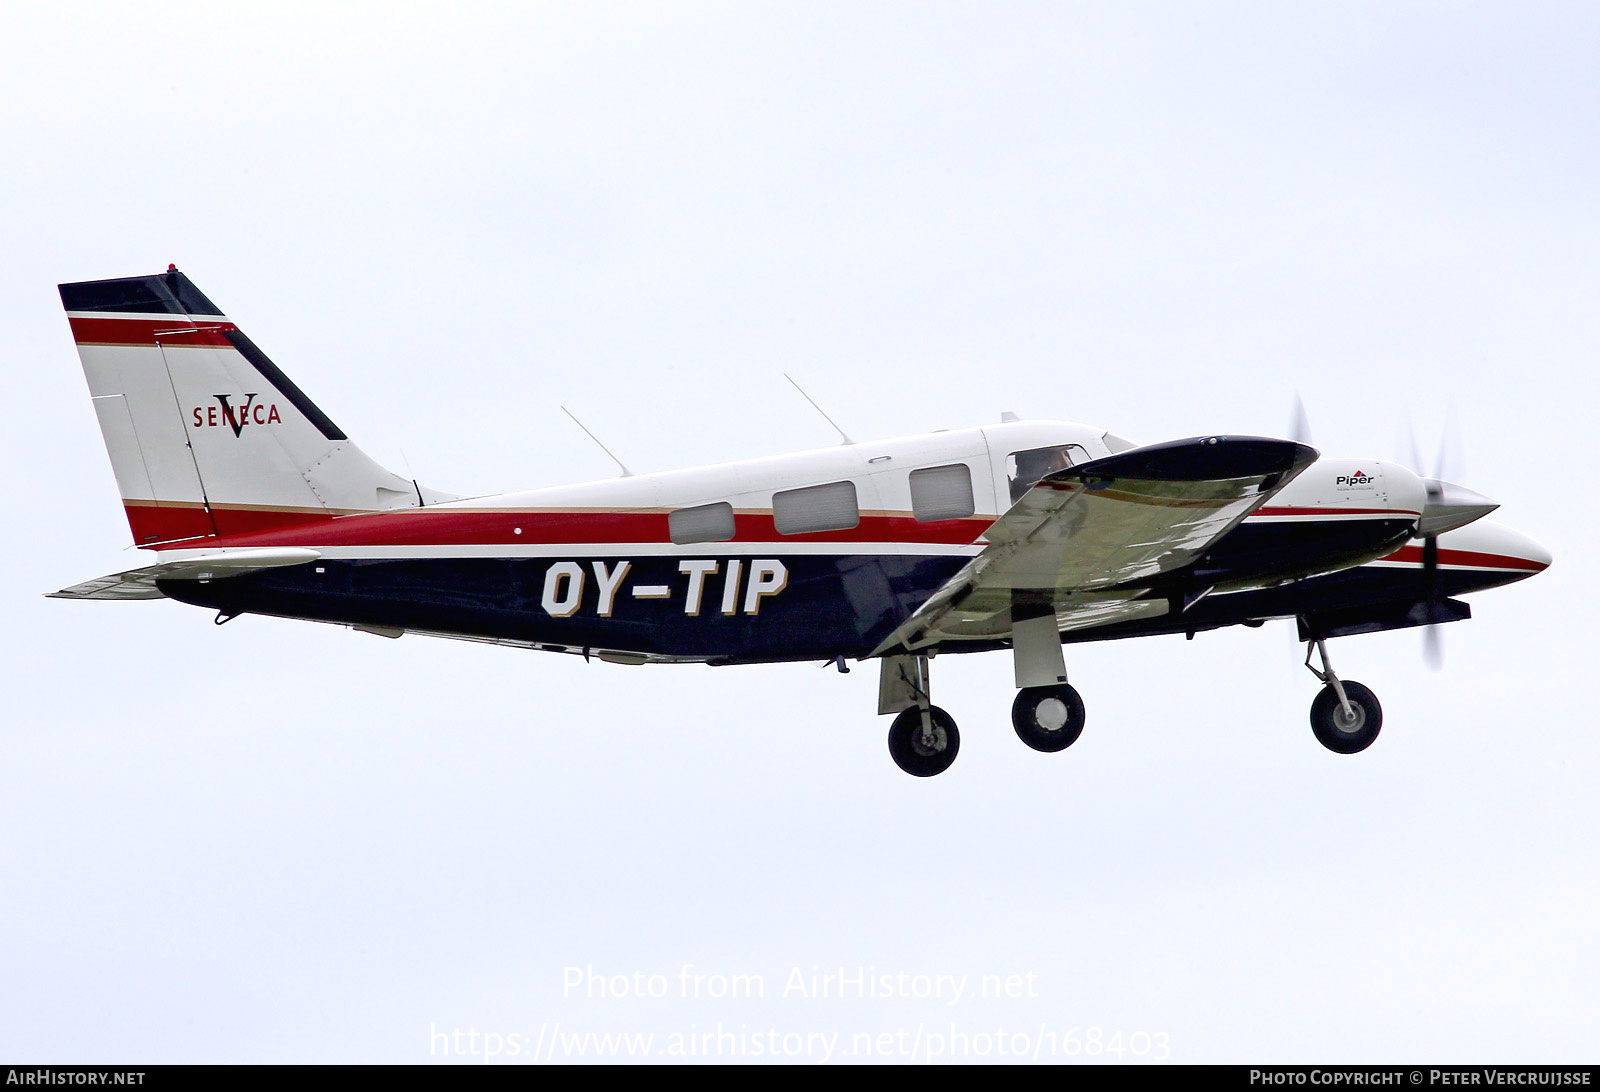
point(206, 435)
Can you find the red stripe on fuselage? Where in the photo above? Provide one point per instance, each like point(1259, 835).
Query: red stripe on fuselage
point(1412, 555)
point(448, 527)
point(162, 522)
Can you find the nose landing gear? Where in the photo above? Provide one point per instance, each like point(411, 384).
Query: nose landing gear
point(1346, 716)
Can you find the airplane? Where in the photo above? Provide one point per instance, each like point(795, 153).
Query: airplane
point(1022, 536)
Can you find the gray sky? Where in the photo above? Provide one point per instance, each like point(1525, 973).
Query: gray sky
point(280, 841)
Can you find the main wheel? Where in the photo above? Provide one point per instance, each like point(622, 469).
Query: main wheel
point(917, 756)
point(1048, 718)
point(1343, 734)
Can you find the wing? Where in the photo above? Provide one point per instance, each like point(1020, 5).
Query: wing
point(1089, 543)
point(186, 565)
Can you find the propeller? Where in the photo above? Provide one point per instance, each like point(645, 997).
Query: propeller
point(1432, 639)
point(1300, 423)
point(1447, 507)
point(1300, 433)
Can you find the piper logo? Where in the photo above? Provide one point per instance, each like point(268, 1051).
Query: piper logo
point(236, 417)
point(1359, 478)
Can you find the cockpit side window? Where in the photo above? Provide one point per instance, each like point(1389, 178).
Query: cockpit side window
point(1024, 468)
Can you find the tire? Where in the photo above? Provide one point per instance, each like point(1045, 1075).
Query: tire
point(915, 757)
point(1048, 718)
point(1328, 723)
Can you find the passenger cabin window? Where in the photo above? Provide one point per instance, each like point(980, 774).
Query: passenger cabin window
point(830, 507)
point(1024, 468)
point(706, 523)
point(942, 492)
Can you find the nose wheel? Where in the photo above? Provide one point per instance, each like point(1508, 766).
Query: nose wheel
point(1346, 716)
point(1345, 731)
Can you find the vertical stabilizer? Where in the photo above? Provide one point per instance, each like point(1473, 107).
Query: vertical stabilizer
point(206, 436)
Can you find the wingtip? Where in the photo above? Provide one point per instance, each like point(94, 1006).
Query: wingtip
point(1214, 457)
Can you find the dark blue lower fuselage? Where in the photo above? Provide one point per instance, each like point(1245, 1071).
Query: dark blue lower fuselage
point(827, 605)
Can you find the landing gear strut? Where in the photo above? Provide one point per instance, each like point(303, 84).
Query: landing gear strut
point(1345, 716)
point(1048, 714)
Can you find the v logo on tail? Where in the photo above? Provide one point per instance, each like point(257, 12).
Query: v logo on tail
point(237, 419)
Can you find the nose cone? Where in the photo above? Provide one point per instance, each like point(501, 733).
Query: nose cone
point(1450, 506)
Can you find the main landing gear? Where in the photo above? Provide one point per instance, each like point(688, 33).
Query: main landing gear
point(1345, 716)
point(1048, 718)
point(924, 741)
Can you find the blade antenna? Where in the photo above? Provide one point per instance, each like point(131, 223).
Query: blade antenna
point(818, 408)
point(626, 473)
point(406, 459)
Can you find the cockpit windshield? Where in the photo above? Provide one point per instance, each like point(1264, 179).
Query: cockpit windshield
point(1024, 468)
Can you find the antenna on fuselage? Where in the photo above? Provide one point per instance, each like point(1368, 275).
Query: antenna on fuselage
point(405, 459)
point(818, 408)
point(626, 473)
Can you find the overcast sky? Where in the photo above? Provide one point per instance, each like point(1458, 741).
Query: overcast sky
point(280, 841)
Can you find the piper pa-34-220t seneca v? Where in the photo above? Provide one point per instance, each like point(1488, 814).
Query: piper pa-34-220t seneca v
point(1020, 536)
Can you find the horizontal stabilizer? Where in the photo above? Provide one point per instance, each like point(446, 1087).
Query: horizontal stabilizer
point(186, 565)
point(138, 584)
